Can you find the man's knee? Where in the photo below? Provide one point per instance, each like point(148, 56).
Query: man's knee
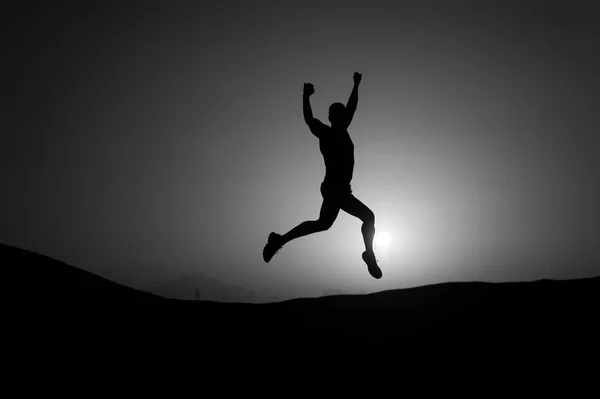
point(369, 218)
point(323, 224)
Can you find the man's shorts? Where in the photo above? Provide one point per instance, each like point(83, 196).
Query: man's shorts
point(335, 190)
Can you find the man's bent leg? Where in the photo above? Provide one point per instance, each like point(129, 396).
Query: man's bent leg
point(354, 207)
point(329, 211)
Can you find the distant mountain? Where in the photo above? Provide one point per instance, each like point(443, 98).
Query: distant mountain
point(339, 291)
point(209, 289)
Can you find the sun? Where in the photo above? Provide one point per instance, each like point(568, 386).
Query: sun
point(382, 239)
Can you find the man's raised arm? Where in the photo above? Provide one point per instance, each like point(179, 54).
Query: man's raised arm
point(309, 90)
point(353, 100)
point(313, 123)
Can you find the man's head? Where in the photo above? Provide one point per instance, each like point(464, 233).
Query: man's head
point(337, 113)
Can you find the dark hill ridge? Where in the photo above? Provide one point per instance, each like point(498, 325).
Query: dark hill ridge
point(44, 280)
point(546, 310)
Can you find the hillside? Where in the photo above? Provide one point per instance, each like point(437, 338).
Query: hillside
point(545, 312)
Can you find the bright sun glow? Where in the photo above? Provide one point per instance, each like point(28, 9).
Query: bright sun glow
point(382, 239)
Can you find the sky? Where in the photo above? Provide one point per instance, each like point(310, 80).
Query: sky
point(151, 140)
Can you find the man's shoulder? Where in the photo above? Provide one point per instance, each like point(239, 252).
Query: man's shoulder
point(322, 126)
point(321, 129)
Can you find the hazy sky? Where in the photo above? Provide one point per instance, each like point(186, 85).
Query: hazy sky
point(149, 141)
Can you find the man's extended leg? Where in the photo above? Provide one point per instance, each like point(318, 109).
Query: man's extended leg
point(329, 211)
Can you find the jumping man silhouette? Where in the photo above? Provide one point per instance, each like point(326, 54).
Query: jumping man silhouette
point(338, 152)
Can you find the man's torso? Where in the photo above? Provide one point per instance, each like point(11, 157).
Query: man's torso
point(338, 153)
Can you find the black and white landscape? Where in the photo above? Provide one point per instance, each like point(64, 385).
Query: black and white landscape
point(539, 313)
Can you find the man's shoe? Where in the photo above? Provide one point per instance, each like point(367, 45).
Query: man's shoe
point(374, 270)
point(274, 244)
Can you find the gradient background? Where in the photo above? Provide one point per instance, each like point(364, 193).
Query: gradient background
point(145, 141)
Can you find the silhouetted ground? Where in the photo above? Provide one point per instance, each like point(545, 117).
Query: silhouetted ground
point(58, 307)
